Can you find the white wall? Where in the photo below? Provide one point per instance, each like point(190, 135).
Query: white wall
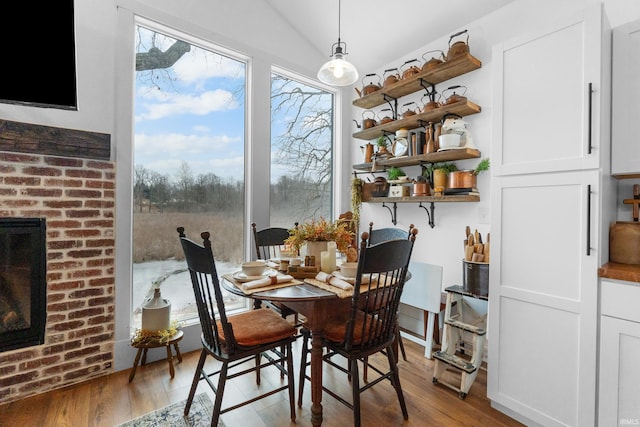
point(443, 244)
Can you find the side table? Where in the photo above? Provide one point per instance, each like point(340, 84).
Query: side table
point(143, 347)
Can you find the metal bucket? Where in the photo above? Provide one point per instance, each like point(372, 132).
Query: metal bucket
point(475, 277)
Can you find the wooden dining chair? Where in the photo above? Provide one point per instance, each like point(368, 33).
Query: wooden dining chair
point(260, 336)
point(268, 243)
point(382, 235)
point(358, 334)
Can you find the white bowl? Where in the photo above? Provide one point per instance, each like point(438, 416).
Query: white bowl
point(253, 268)
point(349, 269)
point(450, 140)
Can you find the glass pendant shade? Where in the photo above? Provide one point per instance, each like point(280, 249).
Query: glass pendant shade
point(338, 71)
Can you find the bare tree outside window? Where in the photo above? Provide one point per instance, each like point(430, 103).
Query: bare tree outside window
point(301, 151)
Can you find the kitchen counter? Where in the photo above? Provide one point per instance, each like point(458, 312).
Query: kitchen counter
point(616, 270)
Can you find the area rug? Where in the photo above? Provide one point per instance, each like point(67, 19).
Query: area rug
point(173, 415)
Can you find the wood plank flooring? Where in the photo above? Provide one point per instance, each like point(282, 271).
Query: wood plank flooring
point(110, 400)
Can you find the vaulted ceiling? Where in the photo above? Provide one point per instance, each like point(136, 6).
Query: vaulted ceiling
point(378, 32)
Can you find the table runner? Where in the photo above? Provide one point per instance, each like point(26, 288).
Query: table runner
point(230, 279)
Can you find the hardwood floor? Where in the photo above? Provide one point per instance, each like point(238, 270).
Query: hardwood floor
point(110, 400)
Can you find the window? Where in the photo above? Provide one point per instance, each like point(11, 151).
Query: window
point(188, 163)
point(302, 151)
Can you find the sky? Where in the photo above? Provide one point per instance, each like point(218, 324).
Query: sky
point(193, 112)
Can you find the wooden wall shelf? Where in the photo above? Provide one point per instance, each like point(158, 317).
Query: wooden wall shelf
point(447, 70)
point(462, 108)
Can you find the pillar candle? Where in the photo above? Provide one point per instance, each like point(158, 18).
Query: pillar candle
point(324, 262)
point(331, 248)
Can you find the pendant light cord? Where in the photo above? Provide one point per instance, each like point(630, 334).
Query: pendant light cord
point(339, 2)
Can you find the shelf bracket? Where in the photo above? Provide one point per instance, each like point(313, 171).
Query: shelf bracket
point(424, 83)
point(394, 106)
point(430, 213)
point(394, 212)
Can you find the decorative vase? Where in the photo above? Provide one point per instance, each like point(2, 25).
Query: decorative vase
point(315, 249)
point(156, 313)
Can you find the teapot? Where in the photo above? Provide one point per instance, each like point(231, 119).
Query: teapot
point(370, 86)
point(458, 48)
point(390, 76)
point(387, 118)
point(433, 62)
point(453, 97)
point(367, 122)
point(406, 109)
point(409, 69)
point(432, 104)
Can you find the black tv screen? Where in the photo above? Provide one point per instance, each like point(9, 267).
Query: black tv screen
point(39, 54)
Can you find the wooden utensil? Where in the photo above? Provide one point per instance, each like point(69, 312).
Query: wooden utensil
point(487, 248)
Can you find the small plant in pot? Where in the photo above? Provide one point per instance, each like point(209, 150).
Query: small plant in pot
point(382, 144)
point(438, 173)
point(395, 174)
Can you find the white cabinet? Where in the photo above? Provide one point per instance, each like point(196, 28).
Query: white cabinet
point(549, 93)
point(550, 157)
point(625, 157)
point(619, 392)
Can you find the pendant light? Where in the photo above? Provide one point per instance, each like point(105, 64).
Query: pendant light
point(338, 71)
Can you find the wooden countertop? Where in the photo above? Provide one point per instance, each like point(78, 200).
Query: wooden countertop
point(616, 270)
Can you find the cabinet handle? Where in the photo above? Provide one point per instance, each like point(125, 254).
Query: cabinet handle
point(590, 95)
point(589, 220)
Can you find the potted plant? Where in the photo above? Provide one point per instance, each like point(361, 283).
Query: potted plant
point(438, 173)
point(394, 173)
point(382, 144)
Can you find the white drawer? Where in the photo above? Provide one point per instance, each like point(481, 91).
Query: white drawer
point(620, 299)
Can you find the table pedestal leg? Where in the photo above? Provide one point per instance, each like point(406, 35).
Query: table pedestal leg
point(316, 377)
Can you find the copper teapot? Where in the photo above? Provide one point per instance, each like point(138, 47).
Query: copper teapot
point(410, 68)
point(454, 97)
point(431, 104)
point(407, 111)
point(429, 64)
point(458, 48)
point(387, 118)
point(390, 76)
point(368, 119)
point(368, 85)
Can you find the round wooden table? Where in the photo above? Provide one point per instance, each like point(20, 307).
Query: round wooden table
point(143, 347)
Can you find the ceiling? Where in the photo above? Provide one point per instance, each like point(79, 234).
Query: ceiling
point(378, 32)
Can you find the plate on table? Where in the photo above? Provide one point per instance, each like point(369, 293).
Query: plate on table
point(242, 278)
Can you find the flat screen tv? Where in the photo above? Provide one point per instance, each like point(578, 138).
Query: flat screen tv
point(39, 54)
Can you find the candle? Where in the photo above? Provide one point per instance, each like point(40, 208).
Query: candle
point(331, 248)
point(325, 264)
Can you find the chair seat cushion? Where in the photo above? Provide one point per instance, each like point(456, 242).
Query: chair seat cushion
point(336, 330)
point(256, 327)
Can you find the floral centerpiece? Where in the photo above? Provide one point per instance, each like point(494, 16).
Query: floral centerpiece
point(321, 231)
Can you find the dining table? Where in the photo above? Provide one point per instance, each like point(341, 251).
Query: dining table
point(317, 305)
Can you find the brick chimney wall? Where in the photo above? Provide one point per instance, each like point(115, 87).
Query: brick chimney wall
point(77, 198)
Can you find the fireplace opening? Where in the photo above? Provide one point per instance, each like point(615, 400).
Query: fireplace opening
point(23, 305)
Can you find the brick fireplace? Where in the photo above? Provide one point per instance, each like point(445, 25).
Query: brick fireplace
point(64, 177)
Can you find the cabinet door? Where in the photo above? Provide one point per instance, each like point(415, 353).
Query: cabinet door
point(625, 156)
point(550, 94)
point(543, 296)
point(619, 393)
